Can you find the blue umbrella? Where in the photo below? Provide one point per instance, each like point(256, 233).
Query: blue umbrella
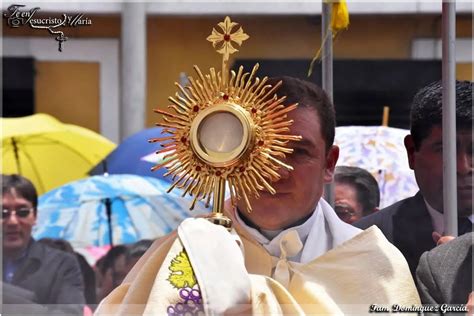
point(126, 158)
point(140, 208)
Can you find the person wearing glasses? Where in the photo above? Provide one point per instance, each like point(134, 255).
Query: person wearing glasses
point(356, 193)
point(36, 279)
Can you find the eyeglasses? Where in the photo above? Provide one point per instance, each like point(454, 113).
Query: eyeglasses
point(21, 212)
point(344, 212)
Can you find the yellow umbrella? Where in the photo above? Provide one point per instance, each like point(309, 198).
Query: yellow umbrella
point(48, 152)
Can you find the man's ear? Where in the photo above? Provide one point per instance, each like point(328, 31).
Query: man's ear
point(331, 160)
point(410, 147)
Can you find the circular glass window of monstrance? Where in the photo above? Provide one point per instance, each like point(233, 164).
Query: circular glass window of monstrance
point(221, 135)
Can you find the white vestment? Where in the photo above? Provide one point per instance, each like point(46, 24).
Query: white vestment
point(341, 270)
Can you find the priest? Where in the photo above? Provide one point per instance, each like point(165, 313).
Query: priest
point(290, 254)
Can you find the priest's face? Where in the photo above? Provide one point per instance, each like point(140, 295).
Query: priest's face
point(298, 191)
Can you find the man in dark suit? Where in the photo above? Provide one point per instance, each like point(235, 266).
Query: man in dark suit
point(37, 279)
point(444, 274)
point(414, 225)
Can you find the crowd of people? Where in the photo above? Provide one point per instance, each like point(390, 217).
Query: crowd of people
point(46, 276)
point(285, 233)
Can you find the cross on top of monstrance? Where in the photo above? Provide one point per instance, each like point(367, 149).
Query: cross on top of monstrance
point(226, 128)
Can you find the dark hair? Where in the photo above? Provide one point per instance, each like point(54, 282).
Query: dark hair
point(365, 185)
point(109, 258)
point(309, 95)
point(60, 244)
point(137, 249)
point(22, 186)
point(88, 275)
point(427, 109)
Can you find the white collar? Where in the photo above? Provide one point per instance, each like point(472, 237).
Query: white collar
point(437, 218)
point(273, 245)
point(320, 233)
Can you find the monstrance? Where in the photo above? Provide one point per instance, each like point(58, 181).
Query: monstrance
point(227, 129)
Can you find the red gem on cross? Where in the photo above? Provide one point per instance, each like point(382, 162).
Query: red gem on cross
point(226, 37)
point(242, 169)
point(198, 168)
point(183, 139)
point(254, 110)
point(218, 173)
point(260, 143)
point(225, 97)
point(196, 108)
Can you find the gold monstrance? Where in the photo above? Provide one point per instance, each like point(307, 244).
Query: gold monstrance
point(225, 129)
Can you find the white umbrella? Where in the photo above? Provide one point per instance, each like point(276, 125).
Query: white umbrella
point(379, 150)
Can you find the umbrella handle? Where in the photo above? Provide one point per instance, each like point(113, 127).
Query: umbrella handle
point(17, 157)
point(104, 166)
point(108, 212)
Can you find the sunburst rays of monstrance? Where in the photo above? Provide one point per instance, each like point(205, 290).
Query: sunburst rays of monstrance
point(226, 128)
